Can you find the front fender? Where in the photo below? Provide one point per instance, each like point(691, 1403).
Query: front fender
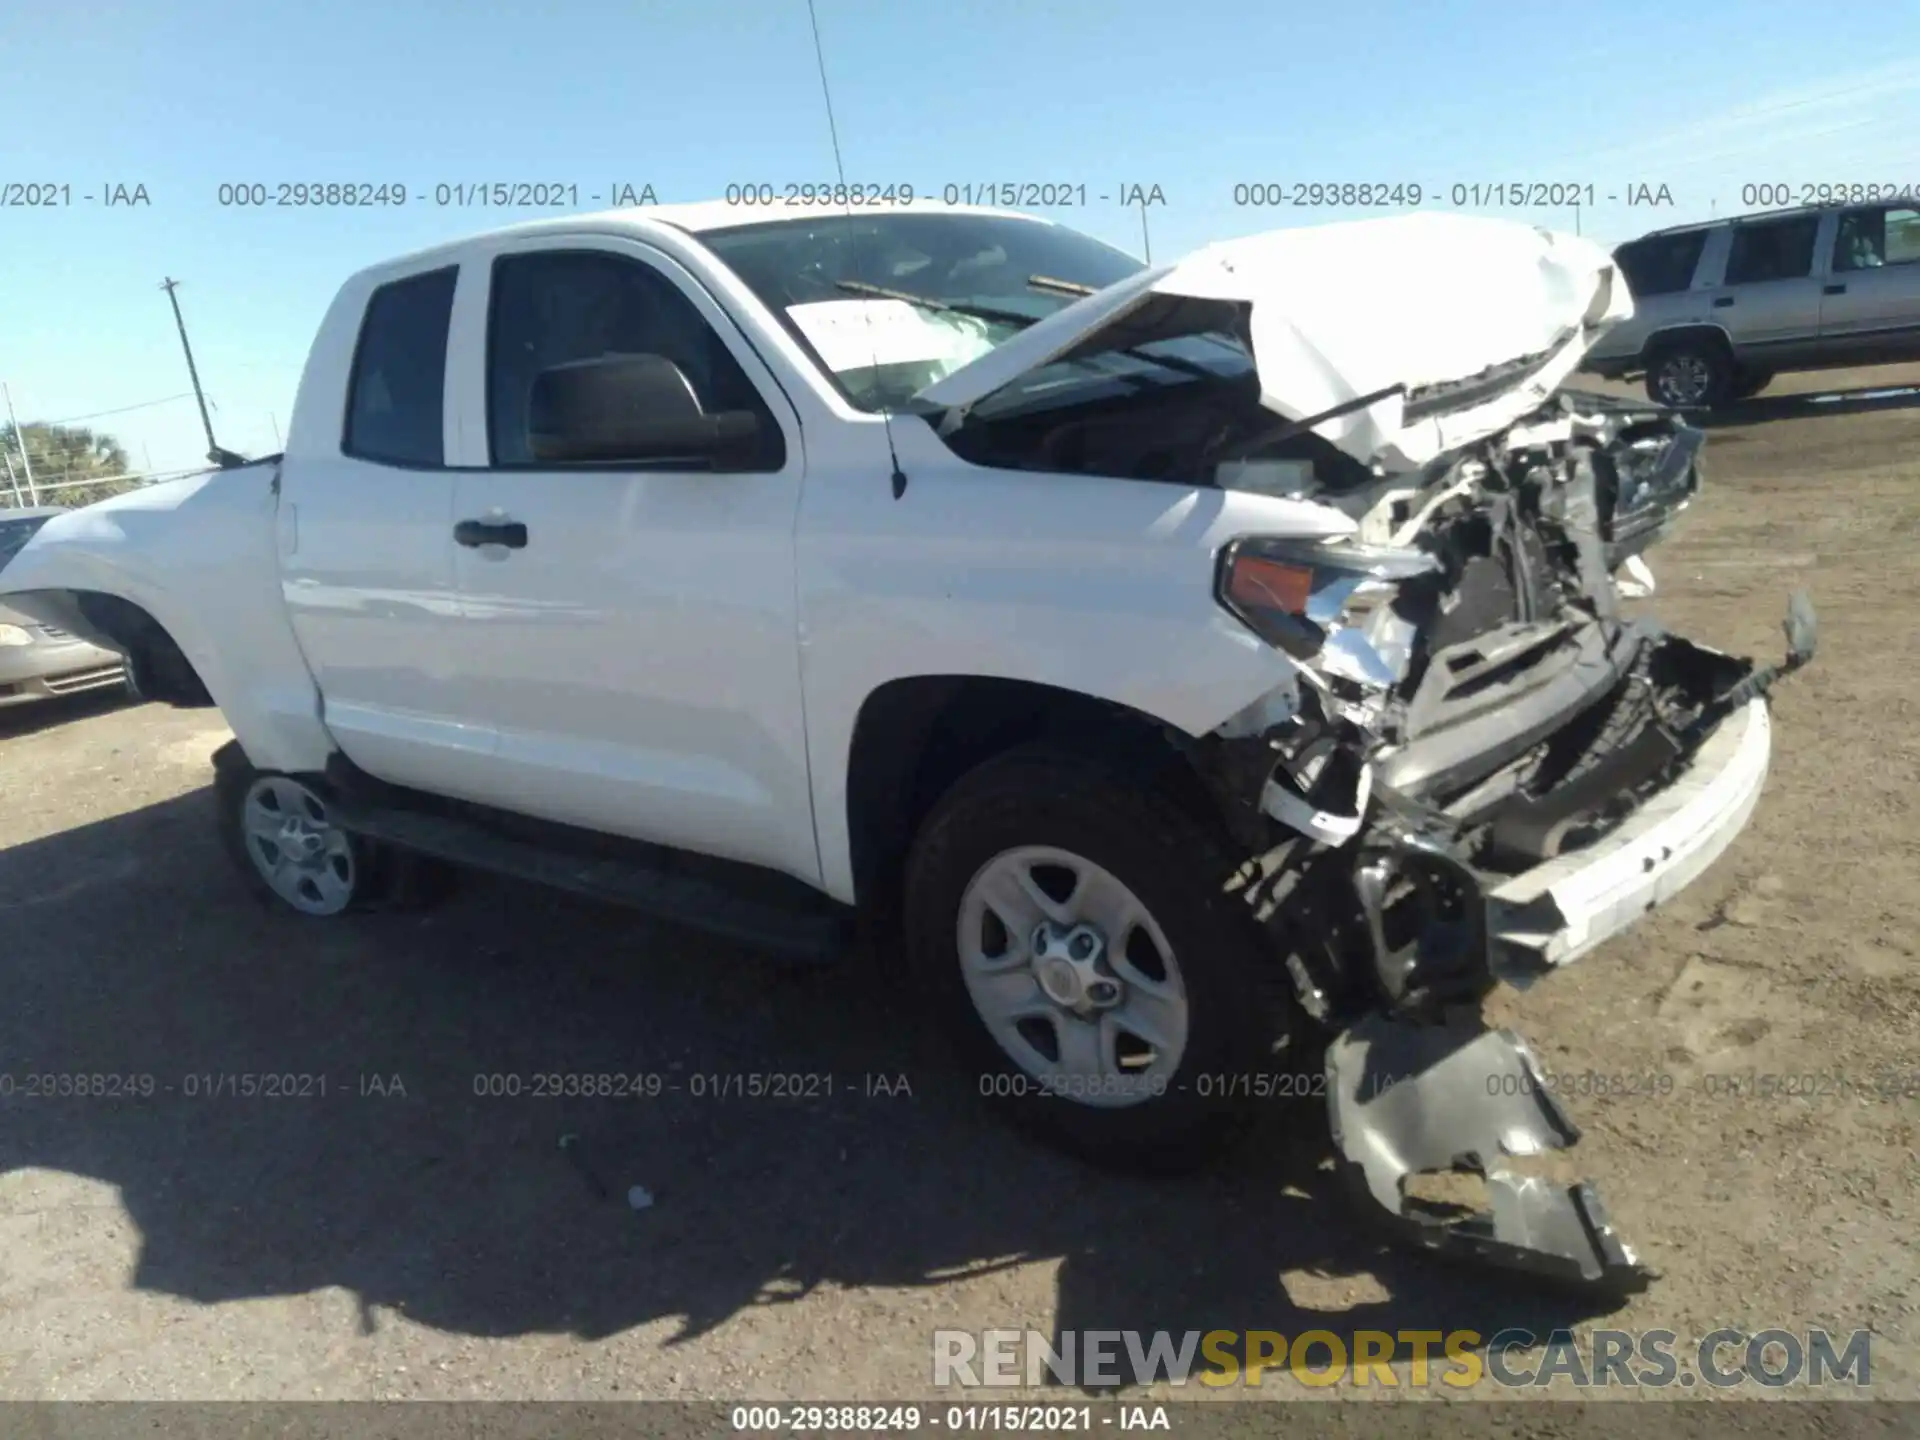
point(198, 557)
point(1100, 587)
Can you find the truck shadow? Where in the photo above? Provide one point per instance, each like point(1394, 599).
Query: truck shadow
point(399, 1169)
point(1852, 401)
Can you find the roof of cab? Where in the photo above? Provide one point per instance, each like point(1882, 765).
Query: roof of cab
point(688, 217)
point(701, 215)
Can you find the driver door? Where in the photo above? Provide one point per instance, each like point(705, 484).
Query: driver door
point(633, 644)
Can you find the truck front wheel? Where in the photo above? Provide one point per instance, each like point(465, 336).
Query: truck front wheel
point(1071, 929)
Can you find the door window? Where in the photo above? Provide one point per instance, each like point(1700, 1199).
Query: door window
point(553, 307)
point(1869, 239)
point(396, 397)
point(1772, 250)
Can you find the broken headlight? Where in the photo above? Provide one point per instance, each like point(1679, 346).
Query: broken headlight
point(1327, 603)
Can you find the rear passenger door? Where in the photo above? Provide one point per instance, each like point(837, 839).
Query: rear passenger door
point(1870, 303)
point(365, 531)
point(1769, 300)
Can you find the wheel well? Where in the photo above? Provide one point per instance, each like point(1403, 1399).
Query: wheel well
point(915, 737)
point(160, 670)
point(1705, 335)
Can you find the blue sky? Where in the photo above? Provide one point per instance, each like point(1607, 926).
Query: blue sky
point(691, 95)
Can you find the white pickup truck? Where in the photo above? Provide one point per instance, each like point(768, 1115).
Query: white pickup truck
point(1208, 681)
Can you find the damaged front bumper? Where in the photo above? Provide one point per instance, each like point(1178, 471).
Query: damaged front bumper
point(1449, 909)
point(1556, 912)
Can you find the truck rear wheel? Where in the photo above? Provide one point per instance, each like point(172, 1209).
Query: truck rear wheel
point(281, 832)
point(1070, 928)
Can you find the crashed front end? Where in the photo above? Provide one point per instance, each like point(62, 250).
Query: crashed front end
point(1483, 770)
point(1479, 767)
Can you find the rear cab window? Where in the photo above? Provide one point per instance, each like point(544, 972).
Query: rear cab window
point(396, 396)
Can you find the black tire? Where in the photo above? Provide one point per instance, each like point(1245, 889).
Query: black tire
point(1242, 1047)
point(383, 878)
point(1749, 383)
point(1690, 375)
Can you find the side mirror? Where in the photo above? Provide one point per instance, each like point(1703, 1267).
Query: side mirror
point(635, 408)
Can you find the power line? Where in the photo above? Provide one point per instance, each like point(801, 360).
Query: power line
point(98, 414)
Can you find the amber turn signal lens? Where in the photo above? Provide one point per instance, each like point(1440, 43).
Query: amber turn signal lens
point(1255, 583)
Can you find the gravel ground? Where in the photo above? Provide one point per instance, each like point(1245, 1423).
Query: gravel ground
point(403, 1236)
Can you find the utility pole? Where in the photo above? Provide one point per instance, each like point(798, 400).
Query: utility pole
point(13, 479)
point(213, 448)
point(26, 460)
point(1146, 242)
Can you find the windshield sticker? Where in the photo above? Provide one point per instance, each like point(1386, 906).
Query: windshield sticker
point(858, 334)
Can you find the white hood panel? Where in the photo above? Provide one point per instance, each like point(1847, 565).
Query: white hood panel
point(1341, 311)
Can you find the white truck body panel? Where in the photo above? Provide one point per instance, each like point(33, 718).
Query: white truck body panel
point(366, 570)
point(637, 663)
point(683, 657)
point(1090, 584)
point(198, 556)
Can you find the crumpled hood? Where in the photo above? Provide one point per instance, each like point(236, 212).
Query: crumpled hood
point(1338, 312)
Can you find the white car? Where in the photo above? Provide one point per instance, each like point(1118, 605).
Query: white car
point(1213, 673)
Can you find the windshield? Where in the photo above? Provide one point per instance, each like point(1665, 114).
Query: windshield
point(851, 288)
point(15, 533)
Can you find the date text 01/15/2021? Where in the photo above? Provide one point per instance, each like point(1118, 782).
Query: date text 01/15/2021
point(460, 194)
point(1240, 1084)
point(61, 195)
point(1006, 194)
point(199, 1085)
point(1748, 1084)
point(1041, 1419)
point(693, 1085)
point(1412, 194)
